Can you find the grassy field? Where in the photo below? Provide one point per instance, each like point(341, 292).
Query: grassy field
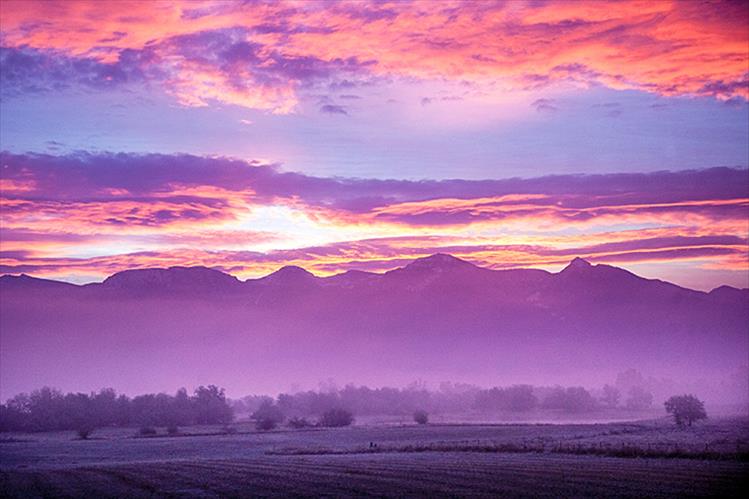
point(651, 459)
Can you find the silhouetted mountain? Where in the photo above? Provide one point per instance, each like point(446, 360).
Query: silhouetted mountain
point(290, 275)
point(436, 318)
point(28, 282)
point(190, 280)
point(24, 283)
point(730, 294)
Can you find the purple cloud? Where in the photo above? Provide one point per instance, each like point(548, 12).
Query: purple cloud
point(333, 109)
point(243, 66)
point(26, 70)
point(545, 105)
point(151, 178)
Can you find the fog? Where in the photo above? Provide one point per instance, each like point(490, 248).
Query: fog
point(437, 319)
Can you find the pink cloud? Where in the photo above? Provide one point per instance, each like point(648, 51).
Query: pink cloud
point(385, 254)
point(155, 190)
point(260, 55)
point(56, 208)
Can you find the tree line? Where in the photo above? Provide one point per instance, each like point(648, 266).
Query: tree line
point(449, 398)
point(48, 409)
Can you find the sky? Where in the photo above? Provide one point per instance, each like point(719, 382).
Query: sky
point(245, 136)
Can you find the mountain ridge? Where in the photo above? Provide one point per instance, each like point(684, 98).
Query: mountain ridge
point(439, 262)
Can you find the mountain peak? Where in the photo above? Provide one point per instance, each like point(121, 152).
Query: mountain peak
point(27, 281)
point(180, 277)
point(289, 274)
point(439, 261)
point(730, 293)
point(578, 264)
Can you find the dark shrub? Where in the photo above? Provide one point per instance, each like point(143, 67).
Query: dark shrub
point(297, 422)
point(84, 432)
point(268, 416)
point(172, 429)
point(265, 424)
point(685, 409)
point(336, 417)
point(421, 417)
point(228, 430)
point(147, 431)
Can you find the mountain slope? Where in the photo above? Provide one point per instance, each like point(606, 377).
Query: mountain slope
point(437, 318)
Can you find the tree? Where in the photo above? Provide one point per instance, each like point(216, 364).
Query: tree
point(516, 398)
point(267, 416)
point(211, 405)
point(639, 399)
point(421, 417)
point(610, 396)
point(685, 408)
point(46, 407)
point(336, 417)
point(181, 410)
point(79, 414)
point(573, 399)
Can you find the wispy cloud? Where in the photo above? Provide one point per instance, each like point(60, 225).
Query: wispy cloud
point(545, 105)
point(333, 109)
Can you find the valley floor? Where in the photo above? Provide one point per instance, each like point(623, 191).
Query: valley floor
point(641, 459)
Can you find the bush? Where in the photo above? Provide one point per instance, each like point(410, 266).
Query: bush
point(228, 430)
point(268, 416)
point(84, 432)
point(172, 429)
point(297, 422)
point(421, 417)
point(685, 408)
point(333, 418)
point(265, 424)
point(147, 431)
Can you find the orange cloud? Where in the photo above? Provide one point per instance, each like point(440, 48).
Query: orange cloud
point(263, 53)
point(94, 214)
point(721, 252)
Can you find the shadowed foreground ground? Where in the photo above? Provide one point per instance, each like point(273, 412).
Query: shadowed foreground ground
point(434, 474)
point(434, 460)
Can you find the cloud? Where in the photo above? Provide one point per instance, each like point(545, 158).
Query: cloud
point(197, 69)
point(58, 207)
point(263, 54)
point(144, 210)
point(84, 214)
point(545, 105)
point(176, 187)
point(333, 109)
point(384, 254)
point(28, 71)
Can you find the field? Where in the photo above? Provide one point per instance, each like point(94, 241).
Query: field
point(638, 459)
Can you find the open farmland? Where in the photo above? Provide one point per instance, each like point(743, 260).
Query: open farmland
point(516, 460)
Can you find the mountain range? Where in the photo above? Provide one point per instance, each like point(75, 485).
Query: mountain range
point(437, 318)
